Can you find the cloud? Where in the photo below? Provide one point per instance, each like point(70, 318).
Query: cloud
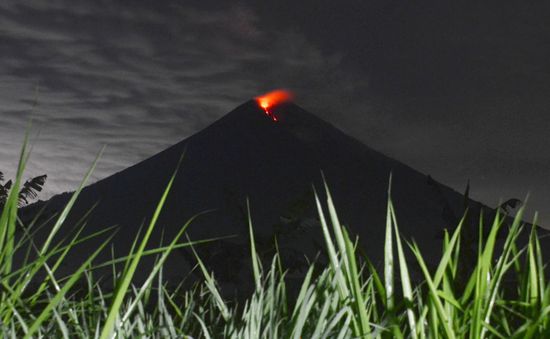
point(137, 78)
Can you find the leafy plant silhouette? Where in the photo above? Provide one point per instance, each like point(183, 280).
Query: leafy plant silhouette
point(28, 192)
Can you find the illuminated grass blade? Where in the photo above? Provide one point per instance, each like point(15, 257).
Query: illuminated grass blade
point(404, 275)
point(61, 294)
point(125, 281)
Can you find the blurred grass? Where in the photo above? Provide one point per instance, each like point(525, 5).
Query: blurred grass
point(346, 298)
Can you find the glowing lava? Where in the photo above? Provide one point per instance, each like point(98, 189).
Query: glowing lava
point(272, 99)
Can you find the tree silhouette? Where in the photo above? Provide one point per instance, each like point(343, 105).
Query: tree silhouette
point(509, 205)
point(29, 190)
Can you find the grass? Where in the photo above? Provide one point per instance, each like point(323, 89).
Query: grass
point(344, 298)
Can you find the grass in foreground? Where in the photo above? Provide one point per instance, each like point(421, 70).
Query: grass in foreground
point(347, 299)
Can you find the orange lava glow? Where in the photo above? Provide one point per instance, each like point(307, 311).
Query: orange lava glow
point(269, 100)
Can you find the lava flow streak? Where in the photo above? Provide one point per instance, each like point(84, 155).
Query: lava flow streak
point(271, 99)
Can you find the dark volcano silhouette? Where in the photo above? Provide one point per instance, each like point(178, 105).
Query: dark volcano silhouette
point(274, 164)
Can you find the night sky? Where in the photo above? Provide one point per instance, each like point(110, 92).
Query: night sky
point(458, 90)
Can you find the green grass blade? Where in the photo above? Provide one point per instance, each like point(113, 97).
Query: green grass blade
point(126, 279)
point(256, 263)
point(61, 219)
point(63, 291)
point(404, 275)
point(388, 254)
point(445, 321)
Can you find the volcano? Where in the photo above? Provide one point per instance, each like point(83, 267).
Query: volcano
point(245, 154)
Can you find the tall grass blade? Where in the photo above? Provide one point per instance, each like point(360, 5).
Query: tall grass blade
point(126, 279)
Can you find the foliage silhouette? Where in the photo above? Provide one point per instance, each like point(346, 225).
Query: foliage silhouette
point(28, 192)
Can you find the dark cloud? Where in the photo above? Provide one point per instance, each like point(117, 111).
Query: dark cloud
point(135, 78)
point(458, 91)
